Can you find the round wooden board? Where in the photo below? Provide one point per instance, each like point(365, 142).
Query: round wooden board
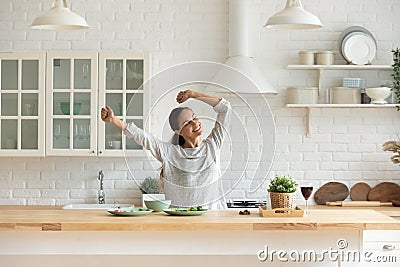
point(359, 192)
point(385, 192)
point(330, 192)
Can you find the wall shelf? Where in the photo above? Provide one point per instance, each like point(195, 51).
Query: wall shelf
point(341, 105)
point(339, 67)
point(311, 106)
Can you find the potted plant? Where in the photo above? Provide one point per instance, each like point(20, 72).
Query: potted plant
point(151, 189)
point(282, 192)
point(396, 73)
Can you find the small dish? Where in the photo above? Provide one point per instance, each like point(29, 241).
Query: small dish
point(352, 29)
point(359, 48)
point(378, 94)
point(184, 212)
point(130, 211)
point(157, 205)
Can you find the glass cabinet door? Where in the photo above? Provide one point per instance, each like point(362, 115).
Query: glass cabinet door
point(121, 78)
point(72, 103)
point(22, 92)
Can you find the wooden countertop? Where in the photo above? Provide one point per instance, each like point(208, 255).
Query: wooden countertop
point(15, 218)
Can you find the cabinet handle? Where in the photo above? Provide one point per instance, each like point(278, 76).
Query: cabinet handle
point(389, 247)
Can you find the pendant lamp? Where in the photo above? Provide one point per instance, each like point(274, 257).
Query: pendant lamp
point(59, 17)
point(293, 17)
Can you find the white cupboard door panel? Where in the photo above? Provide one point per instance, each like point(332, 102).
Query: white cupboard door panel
point(72, 89)
point(22, 104)
point(121, 87)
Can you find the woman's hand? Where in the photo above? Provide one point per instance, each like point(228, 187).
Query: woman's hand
point(184, 95)
point(107, 114)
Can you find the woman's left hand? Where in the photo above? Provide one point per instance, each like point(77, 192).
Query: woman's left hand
point(184, 95)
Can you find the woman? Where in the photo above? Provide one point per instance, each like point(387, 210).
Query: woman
point(190, 165)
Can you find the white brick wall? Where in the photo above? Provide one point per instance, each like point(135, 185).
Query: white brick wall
point(345, 144)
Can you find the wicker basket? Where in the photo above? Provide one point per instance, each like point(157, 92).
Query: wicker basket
point(283, 200)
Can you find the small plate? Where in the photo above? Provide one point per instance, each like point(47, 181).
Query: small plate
point(129, 211)
point(184, 212)
point(359, 48)
point(350, 30)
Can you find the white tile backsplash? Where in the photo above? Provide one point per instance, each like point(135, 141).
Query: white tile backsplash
point(345, 144)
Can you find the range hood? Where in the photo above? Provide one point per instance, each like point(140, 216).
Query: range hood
point(240, 56)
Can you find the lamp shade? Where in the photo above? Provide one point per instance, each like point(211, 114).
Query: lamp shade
point(59, 17)
point(293, 17)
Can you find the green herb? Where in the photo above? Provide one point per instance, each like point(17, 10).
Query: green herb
point(151, 186)
point(396, 74)
point(282, 184)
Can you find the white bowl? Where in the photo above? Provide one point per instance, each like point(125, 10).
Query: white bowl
point(378, 94)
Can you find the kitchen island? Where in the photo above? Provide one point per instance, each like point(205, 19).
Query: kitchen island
point(217, 238)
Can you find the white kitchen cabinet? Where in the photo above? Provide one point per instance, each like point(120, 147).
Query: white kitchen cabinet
point(383, 247)
point(122, 87)
point(22, 104)
point(71, 101)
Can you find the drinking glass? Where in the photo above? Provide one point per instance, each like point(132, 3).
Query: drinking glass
point(306, 190)
point(57, 131)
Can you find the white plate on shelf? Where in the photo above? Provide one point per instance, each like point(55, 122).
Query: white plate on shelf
point(352, 29)
point(359, 48)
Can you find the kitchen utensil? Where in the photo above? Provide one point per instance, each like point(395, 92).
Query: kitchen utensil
point(378, 94)
point(345, 95)
point(302, 95)
point(184, 212)
point(330, 192)
point(359, 192)
point(306, 57)
point(325, 58)
point(157, 205)
point(384, 192)
point(64, 106)
point(350, 30)
point(359, 48)
point(359, 203)
point(130, 211)
point(114, 144)
point(280, 212)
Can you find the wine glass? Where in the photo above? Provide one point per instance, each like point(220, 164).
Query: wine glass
point(306, 190)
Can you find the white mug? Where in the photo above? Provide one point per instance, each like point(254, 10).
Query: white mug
point(114, 144)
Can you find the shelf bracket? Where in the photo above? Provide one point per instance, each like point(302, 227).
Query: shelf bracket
point(319, 81)
point(308, 126)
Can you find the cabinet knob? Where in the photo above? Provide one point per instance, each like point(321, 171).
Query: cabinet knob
point(100, 152)
point(93, 152)
point(388, 247)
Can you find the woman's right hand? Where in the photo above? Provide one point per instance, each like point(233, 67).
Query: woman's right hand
point(107, 114)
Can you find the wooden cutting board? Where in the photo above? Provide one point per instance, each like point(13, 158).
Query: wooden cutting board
point(359, 192)
point(384, 192)
point(330, 192)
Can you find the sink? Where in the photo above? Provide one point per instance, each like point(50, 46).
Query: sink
point(94, 206)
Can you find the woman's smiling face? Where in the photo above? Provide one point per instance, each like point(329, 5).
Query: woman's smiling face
point(189, 125)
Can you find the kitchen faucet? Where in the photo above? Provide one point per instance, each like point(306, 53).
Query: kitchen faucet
point(101, 194)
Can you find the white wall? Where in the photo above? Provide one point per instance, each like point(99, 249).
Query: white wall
point(345, 144)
